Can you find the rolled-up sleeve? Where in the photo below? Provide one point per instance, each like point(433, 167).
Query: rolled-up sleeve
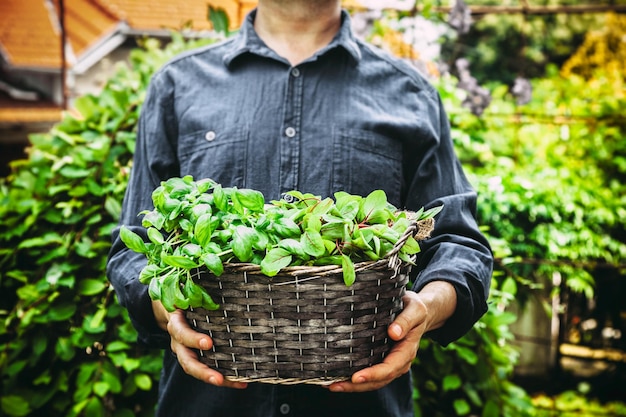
point(456, 252)
point(154, 160)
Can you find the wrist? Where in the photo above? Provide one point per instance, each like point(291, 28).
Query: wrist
point(440, 300)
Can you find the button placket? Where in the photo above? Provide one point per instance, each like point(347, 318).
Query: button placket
point(290, 145)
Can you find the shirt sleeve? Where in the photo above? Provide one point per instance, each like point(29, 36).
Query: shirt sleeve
point(153, 161)
point(456, 252)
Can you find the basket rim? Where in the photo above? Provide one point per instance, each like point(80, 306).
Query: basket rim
point(420, 229)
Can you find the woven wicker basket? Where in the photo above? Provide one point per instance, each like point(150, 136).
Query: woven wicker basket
point(303, 325)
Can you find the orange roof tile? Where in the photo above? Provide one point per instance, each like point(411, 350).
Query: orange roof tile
point(85, 23)
point(173, 15)
point(16, 111)
point(28, 37)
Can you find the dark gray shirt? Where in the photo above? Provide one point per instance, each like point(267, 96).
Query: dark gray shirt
point(350, 118)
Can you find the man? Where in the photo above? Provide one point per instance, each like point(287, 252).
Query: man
point(294, 101)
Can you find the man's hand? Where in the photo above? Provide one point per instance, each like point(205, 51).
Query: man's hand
point(423, 311)
point(183, 340)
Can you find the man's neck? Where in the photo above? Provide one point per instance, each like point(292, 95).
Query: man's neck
point(296, 29)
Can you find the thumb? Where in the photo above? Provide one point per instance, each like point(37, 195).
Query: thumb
point(412, 315)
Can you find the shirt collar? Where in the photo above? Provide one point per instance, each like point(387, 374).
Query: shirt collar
point(247, 41)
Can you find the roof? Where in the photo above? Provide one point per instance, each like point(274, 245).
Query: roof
point(170, 15)
point(28, 37)
point(17, 111)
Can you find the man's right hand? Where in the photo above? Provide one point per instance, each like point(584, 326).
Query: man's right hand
point(183, 342)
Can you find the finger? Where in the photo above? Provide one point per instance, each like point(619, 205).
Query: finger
point(188, 360)
point(396, 363)
point(412, 315)
point(181, 332)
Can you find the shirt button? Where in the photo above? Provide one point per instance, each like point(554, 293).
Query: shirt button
point(284, 409)
point(295, 72)
point(290, 132)
point(210, 135)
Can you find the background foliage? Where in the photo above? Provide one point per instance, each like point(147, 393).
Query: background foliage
point(550, 175)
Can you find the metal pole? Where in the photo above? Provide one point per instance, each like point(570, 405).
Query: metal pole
point(63, 54)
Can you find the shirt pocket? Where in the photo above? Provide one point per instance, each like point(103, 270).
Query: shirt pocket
point(364, 161)
point(217, 152)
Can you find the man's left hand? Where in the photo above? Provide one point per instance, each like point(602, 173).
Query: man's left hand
point(423, 311)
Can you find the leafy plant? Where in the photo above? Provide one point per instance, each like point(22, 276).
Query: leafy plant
point(200, 223)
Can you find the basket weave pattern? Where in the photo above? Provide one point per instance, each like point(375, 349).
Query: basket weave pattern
point(303, 325)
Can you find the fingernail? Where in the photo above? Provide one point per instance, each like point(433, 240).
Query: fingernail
point(212, 380)
point(396, 330)
point(359, 380)
point(336, 388)
point(204, 344)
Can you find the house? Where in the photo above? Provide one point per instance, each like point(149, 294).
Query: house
point(39, 75)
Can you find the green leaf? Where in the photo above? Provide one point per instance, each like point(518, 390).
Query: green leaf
point(191, 250)
point(213, 263)
point(411, 246)
point(91, 286)
point(15, 406)
point(192, 292)
point(113, 207)
point(100, 388)
point(242, 242)
point(430, 213)
point(61, 312)
point(97, 319)
point(285, 227)
point(371, 206)
point(207, 301)
point(466, 354)
point(94, 408)
point(461, 407)
point(133, 240)
point(153, 218)
point(294, 247)
point(220, 198)
point(219, 19)
point(116, 346)
point(143, 381)
point(149, 272)
point(275, 260)
point(154, 289)
point(347, 266)
point(347, 205)
point(179, 261)
point(169, 290)
point(312, 243)
point(451, 382)
point(509, 286)
point(250, 199)
point(203, 229)
point(491, 409)
point(333, 231)
point(155, 236)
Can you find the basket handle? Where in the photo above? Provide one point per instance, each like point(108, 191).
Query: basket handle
point(419, 229)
